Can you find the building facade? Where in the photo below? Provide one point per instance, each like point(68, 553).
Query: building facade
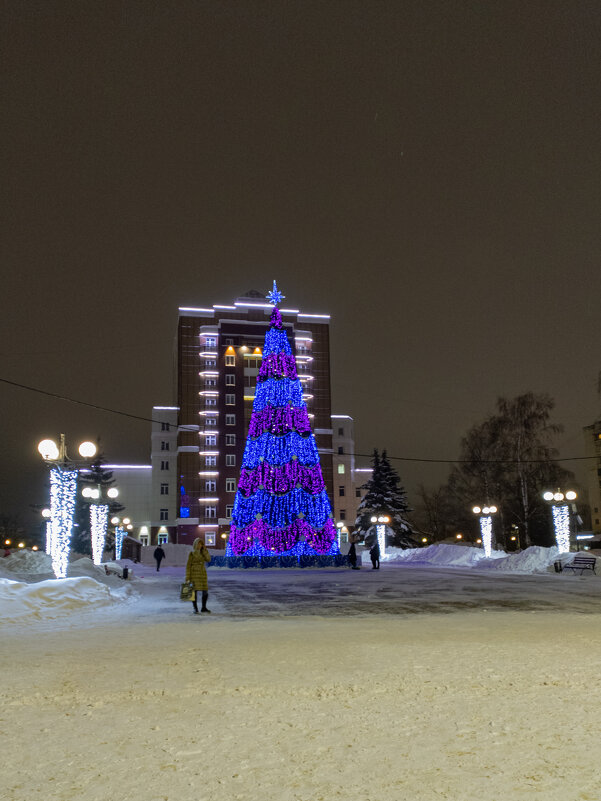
point(219, 352)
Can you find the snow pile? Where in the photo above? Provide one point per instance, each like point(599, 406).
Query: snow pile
point(25, 563)
point(441, 555)
point(532, 560)
point(51, 598)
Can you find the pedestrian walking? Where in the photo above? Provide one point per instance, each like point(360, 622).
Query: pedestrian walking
point(159, 555)
point(374, 555)
point(196, 573)
point(352, 556)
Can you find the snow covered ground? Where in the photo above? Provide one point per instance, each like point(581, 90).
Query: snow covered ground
point(411, 682)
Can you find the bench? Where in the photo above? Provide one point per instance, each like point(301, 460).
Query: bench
point(582, 563)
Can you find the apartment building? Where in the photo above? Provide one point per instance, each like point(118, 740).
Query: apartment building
point(592, 445)
point(219, 352)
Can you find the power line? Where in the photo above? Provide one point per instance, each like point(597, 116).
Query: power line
point(362, 455)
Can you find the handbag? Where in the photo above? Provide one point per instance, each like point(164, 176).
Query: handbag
point(186, 591)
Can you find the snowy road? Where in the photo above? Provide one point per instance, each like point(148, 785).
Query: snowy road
point(311, 685)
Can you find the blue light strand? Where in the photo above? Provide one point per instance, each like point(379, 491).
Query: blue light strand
point(276, 341)
point(279, 511)
point(280, 450)
point(278, 392)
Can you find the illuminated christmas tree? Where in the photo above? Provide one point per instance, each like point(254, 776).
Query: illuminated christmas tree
point(281, 505)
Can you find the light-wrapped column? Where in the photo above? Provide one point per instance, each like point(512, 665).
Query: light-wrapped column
point(99, 515)
point(63, 491)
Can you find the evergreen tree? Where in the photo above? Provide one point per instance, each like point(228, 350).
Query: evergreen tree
point(385, 497)
point(81, 539)
point(281, 503)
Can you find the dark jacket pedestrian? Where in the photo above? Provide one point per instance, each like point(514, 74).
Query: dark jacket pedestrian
point(352, 556)
point(196, 573)
point(159, 555)
point(374, 555)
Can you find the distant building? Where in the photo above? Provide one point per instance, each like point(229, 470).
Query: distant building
point(219, 352)
point(197, 445)
point(592, 440)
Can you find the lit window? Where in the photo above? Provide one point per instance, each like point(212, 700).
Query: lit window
point(230, 439)
point(211, 440)
point(230, 459)
point(210, 461)
point(230, 379)
point(209, 539)
point(211, 421)
point(164, 514)
point(230, 419)
point(210, 382)
point(210, 401)
point(210, 363)
point(164, 489)
point(230, 400)
point(341, 468)
point(230, 360)
point(230, 485)
point(210, 342)
point(164, 465)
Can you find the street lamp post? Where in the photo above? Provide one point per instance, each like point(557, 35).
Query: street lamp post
point(485, 515)
point(381, 521)
point(99, 515)
point(63, 491)
point(560, 512)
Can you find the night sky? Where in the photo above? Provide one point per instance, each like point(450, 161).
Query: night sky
point(428, 173)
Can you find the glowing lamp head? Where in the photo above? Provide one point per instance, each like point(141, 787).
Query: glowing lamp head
point(112, 492)
point(458, 536)
point(548, 496)
point(87, 449)
point(424, 539)
point(129, 528)
point(35, 547)
point(476, 510)
point(558, 496)
point(374, 520)
point(492, 509)
point(7, 542)
point(512, 539)
point(114, 521)
point(21, 545)
point(478, 542)
point(339, 524)
point(46, 513)
point(485, 510)
point(571, 495)
point(126, 520)
point(48, 450)
point(224, 536)
point(87, 492)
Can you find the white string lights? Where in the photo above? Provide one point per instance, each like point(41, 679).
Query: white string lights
point(99, 513)
point(63, 492)
point(485, 513)
point(561, 524)
point(119, 537)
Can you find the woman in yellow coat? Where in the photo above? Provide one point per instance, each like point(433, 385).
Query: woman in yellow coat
point(196, 573)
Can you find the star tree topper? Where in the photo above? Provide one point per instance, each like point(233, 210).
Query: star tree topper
point(275, 296)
